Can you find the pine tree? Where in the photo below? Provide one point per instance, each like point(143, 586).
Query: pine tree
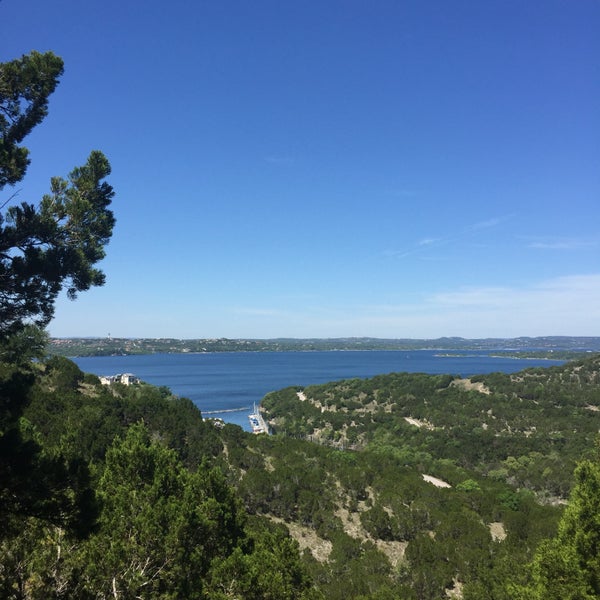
point(568, 566)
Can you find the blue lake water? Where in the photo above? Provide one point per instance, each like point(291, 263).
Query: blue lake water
point(228, 381)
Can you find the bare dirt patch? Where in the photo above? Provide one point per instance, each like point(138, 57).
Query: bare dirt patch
point(419, 423)
point(394, 551)
point(497, 531)
point(456, 591)
point(437, 482)
point(468, 385)
point(307, 539)
point(351, 522)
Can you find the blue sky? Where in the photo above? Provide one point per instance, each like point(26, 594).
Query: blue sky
point(329, 168)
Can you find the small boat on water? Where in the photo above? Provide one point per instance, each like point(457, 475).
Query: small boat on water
point(256, 422)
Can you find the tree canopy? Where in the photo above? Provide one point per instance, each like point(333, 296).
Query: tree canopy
point(567, 567)
point(56, 243)
point(44, 247)
point(25, 86)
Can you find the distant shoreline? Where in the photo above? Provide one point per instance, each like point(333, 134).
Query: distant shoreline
point(555, 347)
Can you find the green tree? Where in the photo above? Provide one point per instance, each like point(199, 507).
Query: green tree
point(63, 374)
point(56, 244)
point(45, 485)
point(269, 568)
point(43, 249)
point(161, 526)
point(568, 566)
point(34, 482)
point(25, 86)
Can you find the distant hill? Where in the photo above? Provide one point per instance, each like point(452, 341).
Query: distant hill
point(556, 346)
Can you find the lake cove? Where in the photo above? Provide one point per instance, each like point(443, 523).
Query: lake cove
point(228, 384)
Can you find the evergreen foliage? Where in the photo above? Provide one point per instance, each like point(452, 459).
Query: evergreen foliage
point(55, 245)
point(385, 531)
point(567, 567)
point(25, 86)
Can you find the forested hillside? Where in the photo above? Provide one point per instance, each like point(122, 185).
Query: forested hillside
point(504, 448)
point(129, 493)
point(122, 492)
point(527, 429)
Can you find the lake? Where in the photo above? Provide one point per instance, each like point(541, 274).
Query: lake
point(235, 381)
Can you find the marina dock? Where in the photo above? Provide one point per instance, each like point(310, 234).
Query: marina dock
point(257, 422)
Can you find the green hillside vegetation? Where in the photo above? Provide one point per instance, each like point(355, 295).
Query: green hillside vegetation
point(122, 492)
point(527, 429)
point(506, 444)
point(157, 503)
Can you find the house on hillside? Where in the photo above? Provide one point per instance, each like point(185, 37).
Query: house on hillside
point(128, 379)
point(124, 378)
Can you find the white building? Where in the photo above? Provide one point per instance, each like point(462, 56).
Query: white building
point(124, 378)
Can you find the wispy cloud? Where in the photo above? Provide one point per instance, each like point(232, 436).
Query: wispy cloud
point(561, 243)
point(432, 242)
point(494, 222)
point(568, 305)
point(572, 288)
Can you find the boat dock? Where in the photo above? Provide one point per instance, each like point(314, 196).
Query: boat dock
point(257, 422)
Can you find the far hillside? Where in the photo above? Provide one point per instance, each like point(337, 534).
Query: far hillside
point(527, 428)
point(560, 347)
